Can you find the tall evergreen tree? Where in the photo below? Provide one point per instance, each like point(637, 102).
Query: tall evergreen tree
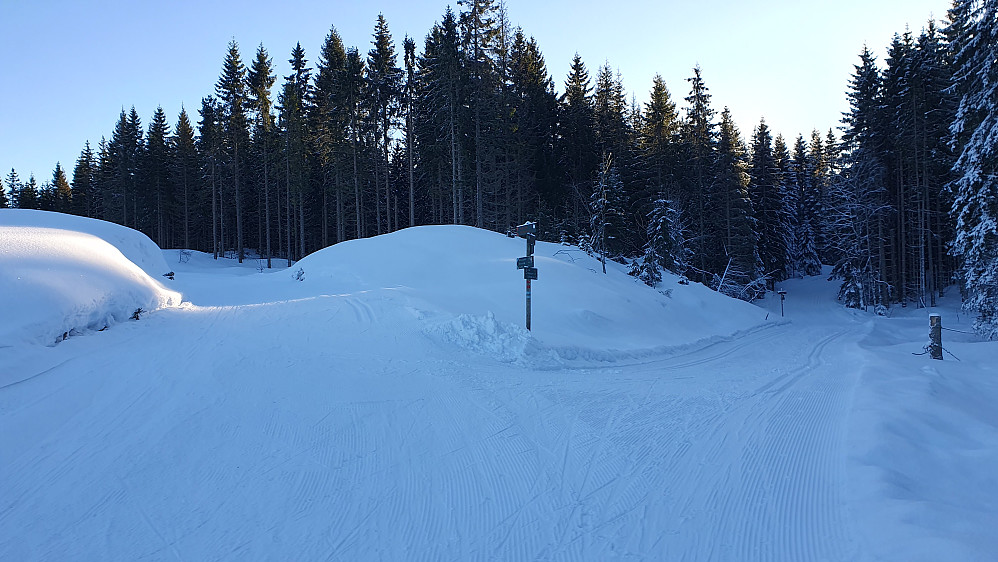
point(84, 183)
point(974, 132)
point(409, 107)
point(210, 145)
point(158, 193)
point(27, 194)
point(384, 88)
point(4, 201)
point(804, 252)
point(443, 95)
point(481, 31)
point(698, 145)
point(231, 90)
point(61, 190)
point(734, 259)
point(260, 80)
point(185, 175)
point(578, 143)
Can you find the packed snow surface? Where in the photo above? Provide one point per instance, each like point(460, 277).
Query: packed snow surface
point(380, 399)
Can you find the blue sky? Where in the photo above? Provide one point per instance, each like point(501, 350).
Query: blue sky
point(70, 66)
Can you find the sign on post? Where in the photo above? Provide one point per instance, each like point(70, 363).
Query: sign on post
point(526, 228)
point(526, 263)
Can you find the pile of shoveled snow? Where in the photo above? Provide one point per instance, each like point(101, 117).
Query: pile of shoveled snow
point(61, 275)
point(464, 283)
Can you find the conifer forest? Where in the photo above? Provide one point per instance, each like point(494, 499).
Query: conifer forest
point(466, 127)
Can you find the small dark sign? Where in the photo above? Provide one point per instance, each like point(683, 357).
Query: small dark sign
point(525, 262)
point(530, 273)
point(531, 240)
point(527, 228)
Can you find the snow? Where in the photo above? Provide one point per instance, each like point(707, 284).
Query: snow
point(387, 403)
point(61, 278)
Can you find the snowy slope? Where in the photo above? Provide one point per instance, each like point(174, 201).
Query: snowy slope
point(61, 275)
point(465, 283)
point(389, 406)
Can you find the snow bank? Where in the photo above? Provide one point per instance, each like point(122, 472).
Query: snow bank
point(925, 439)
point(135, 246)
point(55, 282)
point(467, 282)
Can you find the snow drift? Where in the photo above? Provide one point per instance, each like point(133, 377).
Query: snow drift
point(61, 275)
point(464, 283)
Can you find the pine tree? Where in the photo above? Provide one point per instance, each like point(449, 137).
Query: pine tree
point(533, 109)
point(578, 154)
point(14, 185)
point(606, 225)
point(124, 152)
point(4, 201)
point(210, 146)
point(658, 137)
point(27, 195)
point(409, 105)
point(231, 91)
point(857, 210)
point(698, 140)
point(84, 183)
point(384, 88)
point(975, 204)
point(294, 109)
point(735, 261)
point(443, 98)
point(804, 249)
point(480, 32)
point(185, 175)
point(260, 80)
point(766, 191)
point(62, 192)
point(157, 193)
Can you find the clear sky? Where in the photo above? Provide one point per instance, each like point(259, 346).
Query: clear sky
point(68, 67)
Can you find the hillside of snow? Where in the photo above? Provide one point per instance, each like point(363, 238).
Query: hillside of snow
point(380, 399)
point(62, 275)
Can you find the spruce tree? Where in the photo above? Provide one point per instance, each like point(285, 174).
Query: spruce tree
point(698, 141)
point(384, 87)
point(14, 188)
point(157, 194)
point(804, 249)
point(409, 107)
point(185, 175)
point(975, 188)
point(443, 99)
point(27, 195)
point(578, 143)
point(260, 80)
point(62, 192)
point(84, 183)
point(231, 90)
point(734, 258)
point(4, 201)
point(210, 147)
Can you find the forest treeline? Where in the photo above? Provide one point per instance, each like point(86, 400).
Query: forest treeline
point(469, 130)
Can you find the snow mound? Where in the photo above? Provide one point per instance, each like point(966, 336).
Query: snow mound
point(135, 246)
point(468, 276)
point(484, 335)
point(55, 282)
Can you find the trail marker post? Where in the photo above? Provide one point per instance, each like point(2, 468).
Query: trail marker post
point(936, 336)
point(526, 263)
point(783, 297)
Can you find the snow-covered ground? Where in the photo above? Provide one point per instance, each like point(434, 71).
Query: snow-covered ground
point(381, 400)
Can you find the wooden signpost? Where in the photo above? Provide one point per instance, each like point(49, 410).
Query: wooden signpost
point(526, 263)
